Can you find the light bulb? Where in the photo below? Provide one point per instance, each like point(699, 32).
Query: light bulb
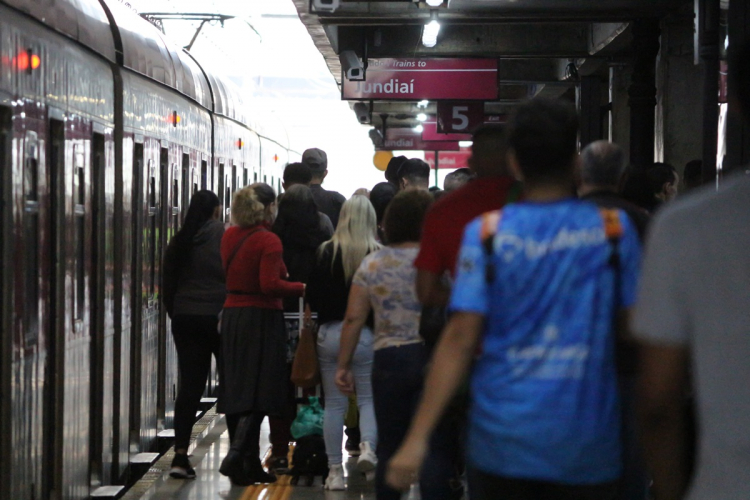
point(465, 144)
point(434, 3)
point(423, 104)
point(418, 129)
point(430, 33)
point(422, 117)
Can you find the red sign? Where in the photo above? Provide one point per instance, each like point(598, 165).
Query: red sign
point(430, 133)
point(418, 79)
point(449, 159)
point(406, 139)
point(458, 117)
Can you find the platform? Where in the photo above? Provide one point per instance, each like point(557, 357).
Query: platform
point(208, 484)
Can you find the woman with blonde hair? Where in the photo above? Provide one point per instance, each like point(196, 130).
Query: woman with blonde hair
point(328, 290)
point(252, 358)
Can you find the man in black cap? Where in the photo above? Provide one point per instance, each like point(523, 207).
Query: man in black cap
point(329, 202)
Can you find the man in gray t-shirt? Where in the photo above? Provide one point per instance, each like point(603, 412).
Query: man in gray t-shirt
point(693, 315)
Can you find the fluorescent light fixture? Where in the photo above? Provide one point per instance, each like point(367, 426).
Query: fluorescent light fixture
point(423, 104)
point(430, 33)
point(422, 117)
point(465, 144)
point(434, 3)
point(418, 129)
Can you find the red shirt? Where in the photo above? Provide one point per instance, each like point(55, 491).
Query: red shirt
point(257, 270)
point(445, 222)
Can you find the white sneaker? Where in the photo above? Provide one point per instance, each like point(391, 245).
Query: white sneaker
point(367, 459)
point(335, 479)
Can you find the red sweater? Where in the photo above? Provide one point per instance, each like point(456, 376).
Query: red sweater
point(257, 270)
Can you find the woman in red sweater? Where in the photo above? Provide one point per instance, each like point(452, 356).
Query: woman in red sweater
point(252, 378)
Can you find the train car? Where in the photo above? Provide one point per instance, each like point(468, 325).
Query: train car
point(106, 130)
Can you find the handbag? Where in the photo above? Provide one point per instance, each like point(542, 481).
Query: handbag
point(305, 368)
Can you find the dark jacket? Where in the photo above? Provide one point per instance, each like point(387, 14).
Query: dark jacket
point(197, 286)
point(327, 290)
point(329, 202)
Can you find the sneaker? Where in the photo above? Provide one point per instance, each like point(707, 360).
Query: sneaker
point(367, 459)
point(279, 465)
point(335, 479)
point(181, 468)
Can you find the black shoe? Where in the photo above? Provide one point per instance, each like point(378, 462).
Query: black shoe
point(232, 465)
point(181, 468)
point(279, 465)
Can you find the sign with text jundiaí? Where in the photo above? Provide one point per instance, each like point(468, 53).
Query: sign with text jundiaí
point(449, 159)
point(430, 79)
point(406, 139)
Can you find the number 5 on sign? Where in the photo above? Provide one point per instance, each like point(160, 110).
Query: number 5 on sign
point(461, 117)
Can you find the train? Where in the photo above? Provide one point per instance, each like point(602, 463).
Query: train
point(106, 130)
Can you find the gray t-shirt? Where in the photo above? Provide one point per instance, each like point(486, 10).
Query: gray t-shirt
point(695, 292)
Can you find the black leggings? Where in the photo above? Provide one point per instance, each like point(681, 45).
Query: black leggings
point(196, 338)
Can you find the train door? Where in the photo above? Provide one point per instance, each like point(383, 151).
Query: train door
point(6, 324)
point(170, 222)
point(145, 341)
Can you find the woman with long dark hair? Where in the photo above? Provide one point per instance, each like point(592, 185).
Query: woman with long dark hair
point(252, 363)
point(194, 294)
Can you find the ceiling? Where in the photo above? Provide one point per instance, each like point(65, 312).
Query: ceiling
point(535, 41)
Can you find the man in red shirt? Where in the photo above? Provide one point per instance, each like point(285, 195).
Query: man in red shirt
point(445, 222)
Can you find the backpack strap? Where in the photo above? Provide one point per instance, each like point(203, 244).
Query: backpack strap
point(613, 232)
point(487, 232)
point(238, 246)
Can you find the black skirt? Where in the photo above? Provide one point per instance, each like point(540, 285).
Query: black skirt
point(252, 363)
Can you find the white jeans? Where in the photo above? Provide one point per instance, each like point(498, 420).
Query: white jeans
point(336, 403)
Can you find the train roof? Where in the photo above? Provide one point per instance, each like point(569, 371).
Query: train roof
point(82, 20)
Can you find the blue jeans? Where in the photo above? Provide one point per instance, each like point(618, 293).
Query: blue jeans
point(397, 379)
point(336, 403)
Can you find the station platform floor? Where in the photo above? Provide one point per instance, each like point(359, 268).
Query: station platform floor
point(206, 457)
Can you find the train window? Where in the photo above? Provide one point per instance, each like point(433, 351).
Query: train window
point(79, 210)
point(255, 176)
point(278, 184)
point(185, 182)
point(151, 233)
point(31, 226)
point(244, 176)
point(265, 179)
point(221, 190)
point(204, 174)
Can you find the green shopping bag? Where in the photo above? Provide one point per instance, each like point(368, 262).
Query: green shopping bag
point(309, 420)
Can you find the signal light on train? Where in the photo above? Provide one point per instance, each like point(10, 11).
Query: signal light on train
point(240, 143)
point(27, 61)
point(275, 158)
point(174, 118)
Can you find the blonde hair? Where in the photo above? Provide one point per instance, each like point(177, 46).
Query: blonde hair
point(249, 204)
point(355, 234)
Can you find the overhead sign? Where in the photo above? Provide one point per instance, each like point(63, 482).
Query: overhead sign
point(449, 159)
point(431, 79)
point(406, 139)
point(430, 133)
point(454, 117)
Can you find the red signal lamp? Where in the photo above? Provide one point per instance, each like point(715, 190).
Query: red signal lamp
point(275, 158)
point(174, 118)
point(27, 61)
point(240, 143)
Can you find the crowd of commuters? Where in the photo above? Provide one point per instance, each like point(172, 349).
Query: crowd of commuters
point(508, 336)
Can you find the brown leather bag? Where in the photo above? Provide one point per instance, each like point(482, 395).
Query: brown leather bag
point(305, 368)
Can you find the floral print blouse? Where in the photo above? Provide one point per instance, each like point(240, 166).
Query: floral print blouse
point(389, 276)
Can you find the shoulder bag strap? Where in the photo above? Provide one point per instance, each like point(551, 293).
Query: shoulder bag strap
point(613, 232)
point(490, 222)
point(238, 246)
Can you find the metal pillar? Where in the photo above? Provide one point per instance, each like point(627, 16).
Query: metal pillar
point(708, 30)
point(591, 110)
point(642, 91)
point(738, 132)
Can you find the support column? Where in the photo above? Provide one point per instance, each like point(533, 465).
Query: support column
point(738, 132)
point(708, 31)
point(642, 91)
point(591, 110)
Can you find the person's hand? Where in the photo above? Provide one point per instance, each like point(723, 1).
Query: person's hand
point(345, 381)
point(403, 469)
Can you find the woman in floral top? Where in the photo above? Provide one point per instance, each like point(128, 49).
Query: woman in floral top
point(385, 285)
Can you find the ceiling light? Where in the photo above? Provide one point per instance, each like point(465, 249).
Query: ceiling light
point(423, 104)
point(465, 144)
point(418, 129)
point(430, 33)
point(434, 3)
point(422, 117)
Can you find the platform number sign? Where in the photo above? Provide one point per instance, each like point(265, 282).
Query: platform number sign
point(459, 117)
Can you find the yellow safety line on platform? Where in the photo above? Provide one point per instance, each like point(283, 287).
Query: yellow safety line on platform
point(280, 490)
